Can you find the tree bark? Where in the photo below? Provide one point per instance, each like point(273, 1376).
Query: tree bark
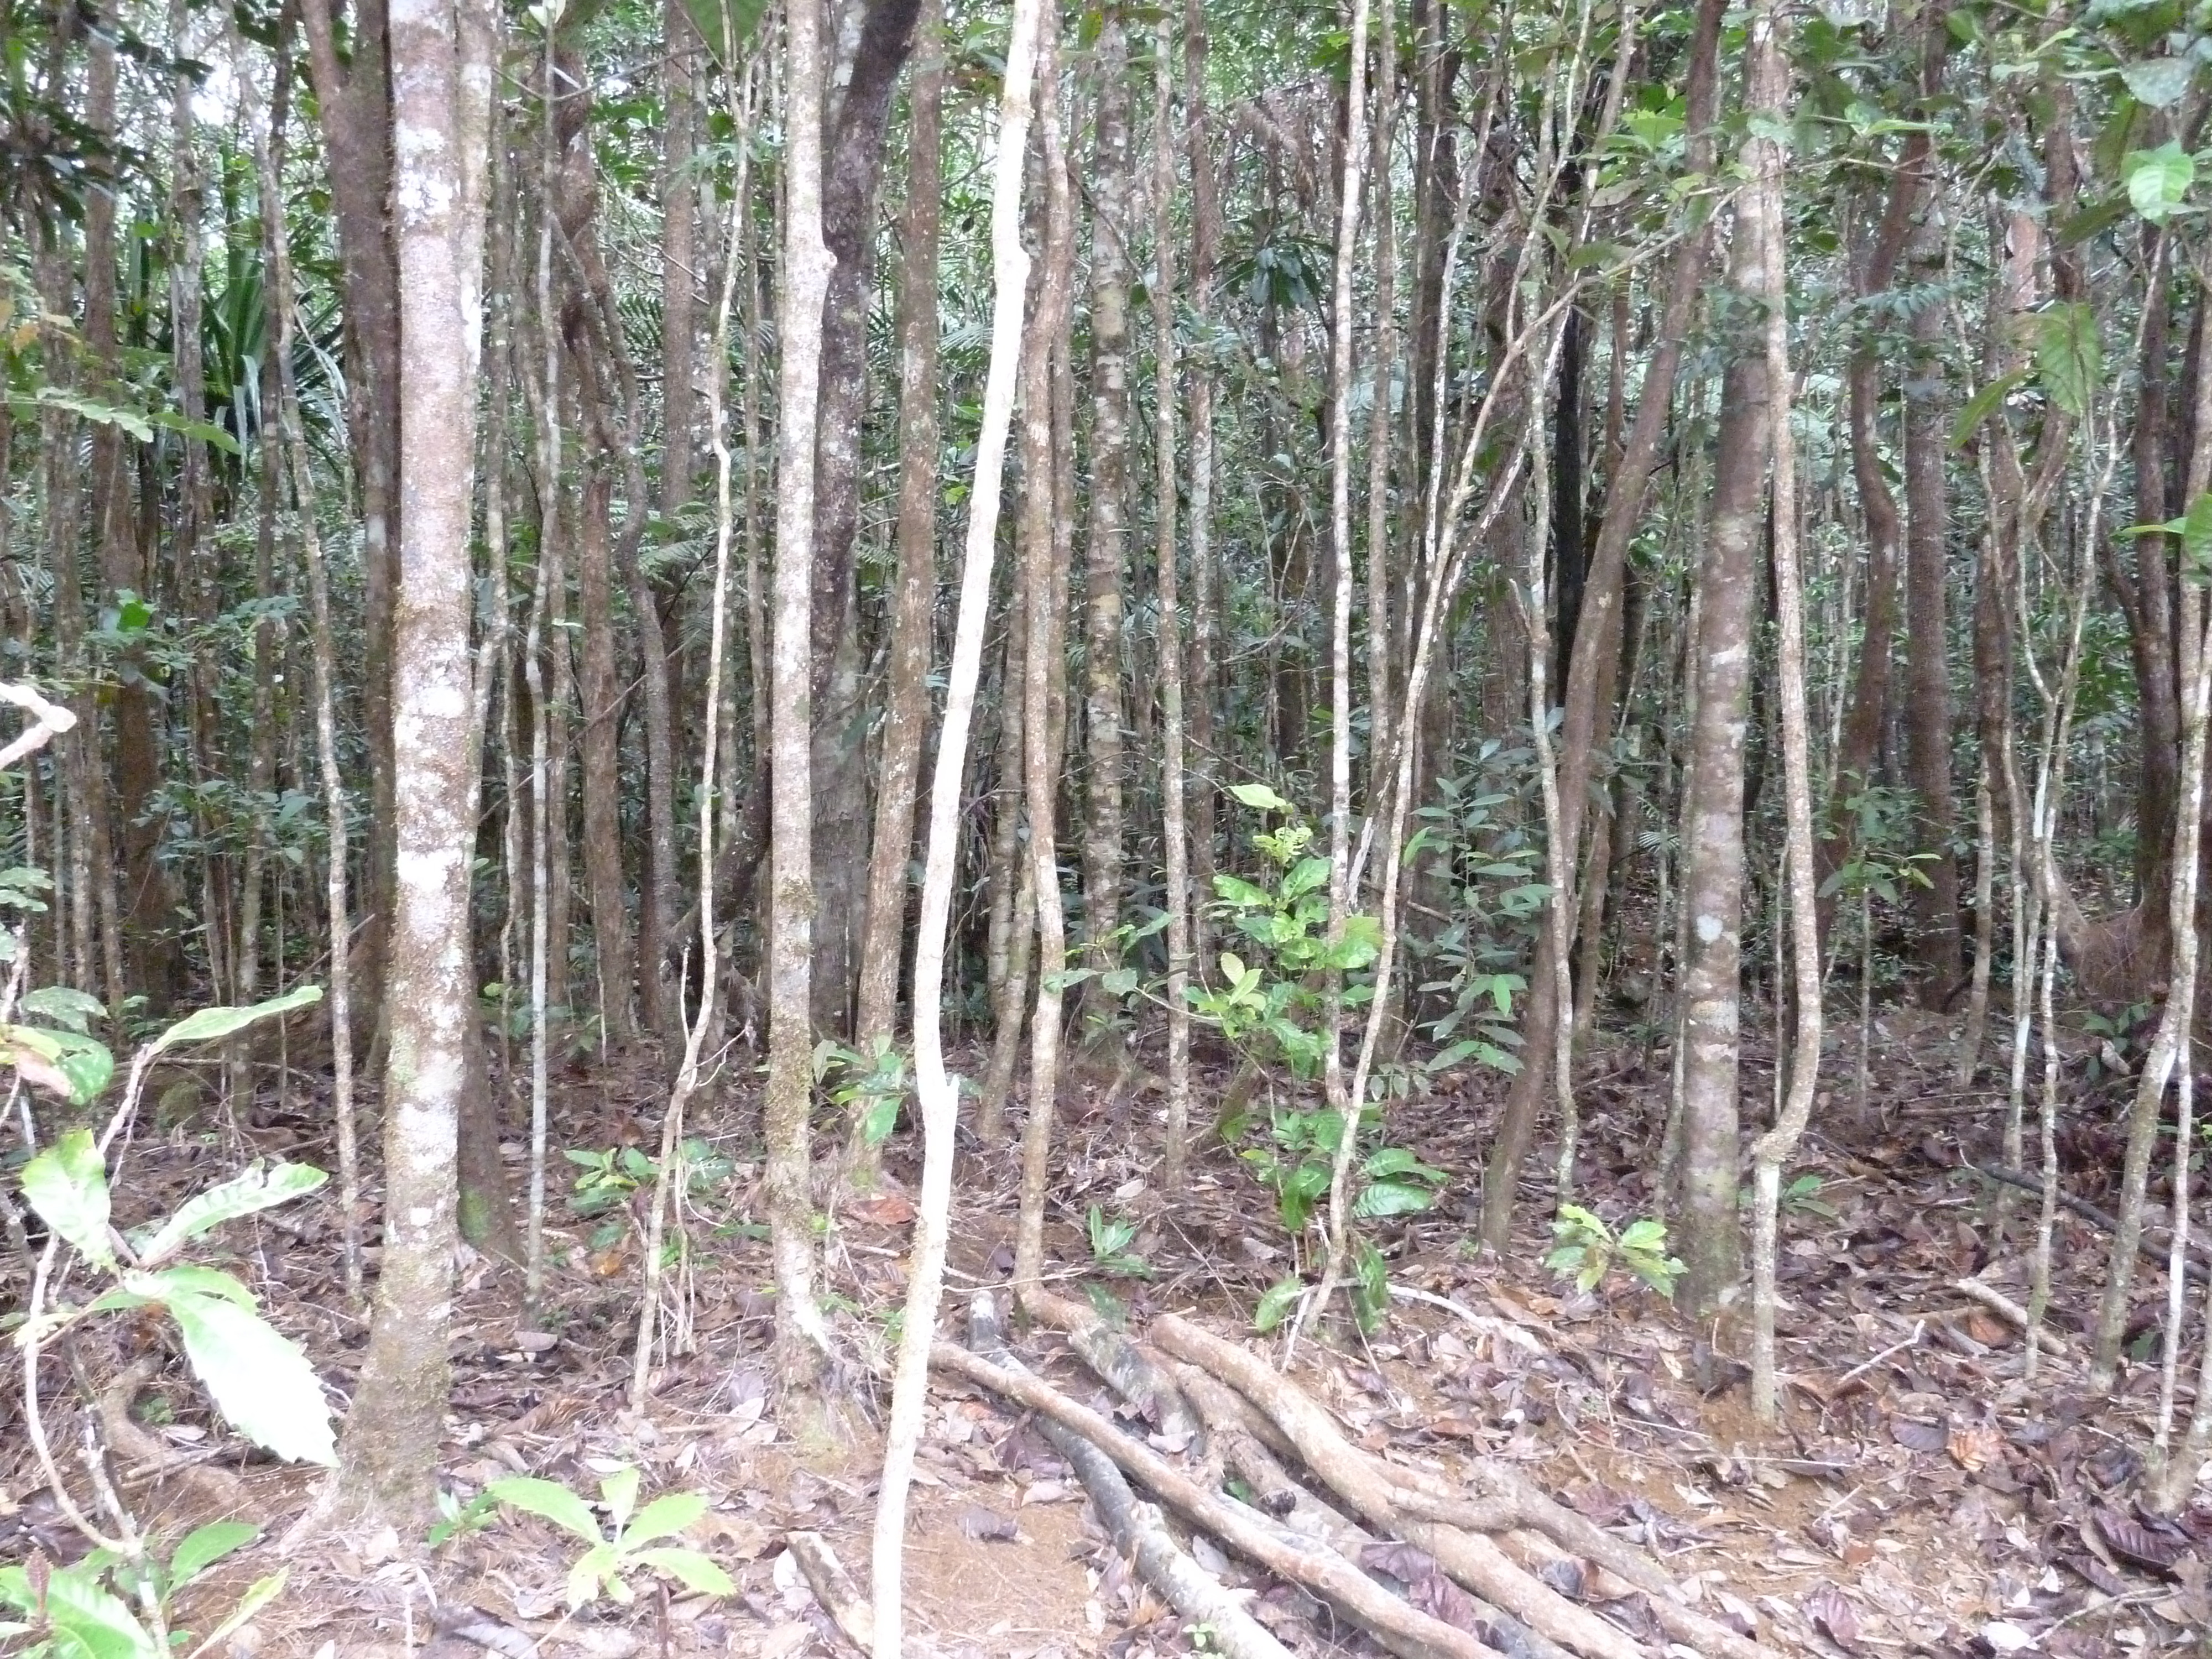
point(389, 1451)
point(1937, 944)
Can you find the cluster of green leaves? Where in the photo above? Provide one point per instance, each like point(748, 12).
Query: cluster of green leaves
point(1584, 1249)
point(258, 1378)
point(1110, 1238)
point(878, 1083)
point(80, 1611)
point(631, 1543)
point(1296, 1161)
point(1272, 1003)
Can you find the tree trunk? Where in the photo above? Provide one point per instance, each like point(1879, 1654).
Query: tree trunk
point(1937, 944)
point(906, 703)
point(1105, 549)
point(802, 1339)
point(389, 1453)
point(1713, 850)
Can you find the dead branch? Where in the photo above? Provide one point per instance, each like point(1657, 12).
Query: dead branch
point(1322, 1572)
point(1472, 1557)
point(833, 1587)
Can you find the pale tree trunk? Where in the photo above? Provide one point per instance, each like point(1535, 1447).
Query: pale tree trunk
point(1760, 220)
point(1105, 551)
point(1173, 832)
point(1713, 848)
point(802, 1339)
point(1204, 239)
point(679, 254)
point(1381, 368)
point(906, 703)
point(389, 1450)
point(1047, 441)
point(939, 1096)
point(1341, 887)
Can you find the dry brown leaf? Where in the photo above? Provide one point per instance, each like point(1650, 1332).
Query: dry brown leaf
point(1832, 1615)
point(1975, 1445)
point(885, 1209)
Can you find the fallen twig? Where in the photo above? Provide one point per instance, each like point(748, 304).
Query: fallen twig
point(1998, 1303)
point(832, 1588)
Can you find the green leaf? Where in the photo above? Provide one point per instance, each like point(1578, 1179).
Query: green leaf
point(594, 1566)
point(185, 1279)
point(206, 1546)
point(206, 431)
point(93, 410)
point(880, 1119)
point(549, 1500)
point(1118, 981)
point(666, 1516)
point(1259, 796)
point(619, 1491)
point(1392, 1198)
point(2068, 356)
point(1237, 891)
point(2158, 180)
point(208, 1024)
point(63, 1062)
point(258, 1377)
point(89, 1622)
point(2196, 531)
point(256, 1189)
point(67, 1185)
point(689, 1569)
point(1984, 404)
point(65, 1006)
point(2158, 82)
point(1304, 876)
point(1277, 1303)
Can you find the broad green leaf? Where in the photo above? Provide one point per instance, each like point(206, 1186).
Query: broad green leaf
point(2196, 532)
point(206, 431)
point(666, 1516)
point(208, 1024)
point(1277, 1303)
point(1304, 876)
point(67, 1185)
point(206, 1546)
point(594, 1567)
point(1984, 404)
point(2068, 356)
point(258, 1377)
point(91, 409)
point(185, 1279)
point(90, 1622)
point(880, 1119)
point(1259, 796)
point(1391, 1198)
point(689, 1569)
point(548, 1499)
point(2158, 82)
point(1237, 891)
point(1118, 981)
point(618, 1491)
point(1067, 979)
point(65, 1006)
point(256, 1189)
point(2158, 180)
point(61, 1062)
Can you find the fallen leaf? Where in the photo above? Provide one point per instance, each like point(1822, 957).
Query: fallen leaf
point(1976, 1446)
point(2004, 1637)
point(1832, 1615)
point(1914, 1435)
point(785, 1639)
point(1426, 1589)
point(1046, 1491)
point(885, 1209)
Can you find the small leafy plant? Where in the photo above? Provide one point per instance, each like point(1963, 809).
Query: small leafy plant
point(1584, 1249)
point(1110, 1238)
point(78, 1612)
point(1295, 1168)
point(633, 1545)
point(873, 1086)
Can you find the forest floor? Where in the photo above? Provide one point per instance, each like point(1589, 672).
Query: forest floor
point(1921, 1496)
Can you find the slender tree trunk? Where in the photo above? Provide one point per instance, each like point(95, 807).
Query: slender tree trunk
point(906, 704)
point(602, 861)
point(389, 1451)
point(1047, 441)
point(802, 1339)
point(1205, 241)
point(1713, 846)
point(1761, 218)
point(1105, 551)
point(1173, 832)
